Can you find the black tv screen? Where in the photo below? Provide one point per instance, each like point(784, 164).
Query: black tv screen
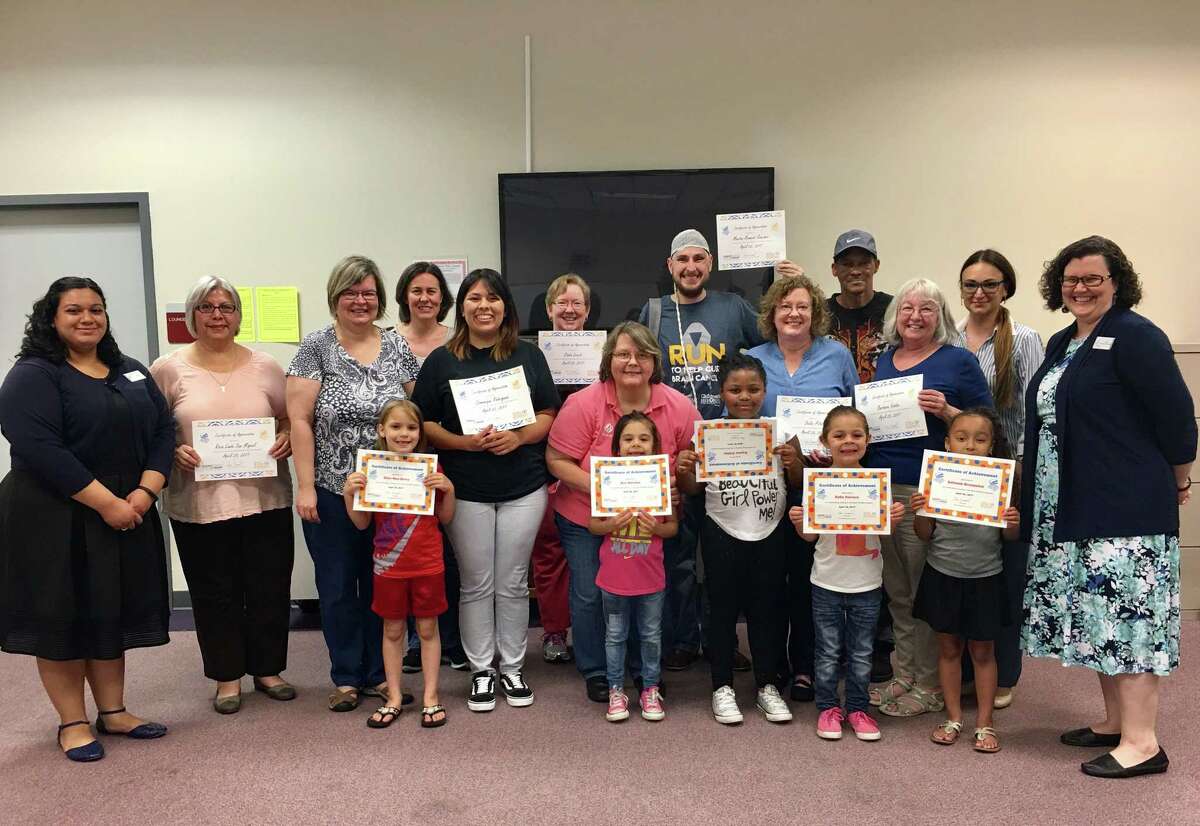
point(615, 230)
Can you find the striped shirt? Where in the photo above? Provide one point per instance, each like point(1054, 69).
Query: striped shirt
point(1028, 353)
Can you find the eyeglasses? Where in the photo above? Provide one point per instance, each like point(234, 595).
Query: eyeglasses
point(922, 311)
point(1070, 281)
point(626, 356)
point(209, 309)
point(563, 304)
point(989, 287)
point(365, 295)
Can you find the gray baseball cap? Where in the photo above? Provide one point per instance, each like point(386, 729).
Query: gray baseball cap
point(689, 238)
point(855, 238)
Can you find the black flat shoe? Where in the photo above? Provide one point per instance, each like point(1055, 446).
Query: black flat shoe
point(1106, 766)
point(597, 689)
point(88, 752)
point(146, 731)
point(1088, 739)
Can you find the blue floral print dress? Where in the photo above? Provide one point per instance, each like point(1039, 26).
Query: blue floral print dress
point(1109, 604)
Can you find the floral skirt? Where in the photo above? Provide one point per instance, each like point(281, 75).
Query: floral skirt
point(1108, 604)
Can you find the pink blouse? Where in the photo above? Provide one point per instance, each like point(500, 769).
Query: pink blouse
point(584, 428)
point(256, 389)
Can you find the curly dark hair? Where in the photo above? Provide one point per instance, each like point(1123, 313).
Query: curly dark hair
point(41, 339)
point(1125, 279)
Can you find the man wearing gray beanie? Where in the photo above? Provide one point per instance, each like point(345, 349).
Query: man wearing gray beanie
point(695, 328)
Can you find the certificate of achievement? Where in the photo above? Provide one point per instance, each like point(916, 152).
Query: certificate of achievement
point(572, 355)
point(847, 500)
point(395, 482)
point(890, 406)
point(746, 240)
point(234, 449)
point(962, 488)
point(735, 449)
point(631, 483)
point(803, 417)
point(497, 399)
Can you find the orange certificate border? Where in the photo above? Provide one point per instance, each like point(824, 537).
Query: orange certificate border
point(882, 476)
point(662, 460)
point(365, 458)
point(769, 470)
point(934, 457)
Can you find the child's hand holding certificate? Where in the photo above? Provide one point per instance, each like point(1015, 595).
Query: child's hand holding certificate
point(964, 488)
point(640, 483)
point(847, 500)
point(735, 449)
point(395, 482)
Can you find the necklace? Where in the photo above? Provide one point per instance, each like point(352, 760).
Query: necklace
point(221, 384)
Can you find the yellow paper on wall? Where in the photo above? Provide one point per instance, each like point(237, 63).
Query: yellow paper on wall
point(278, 314)
point(246, 333)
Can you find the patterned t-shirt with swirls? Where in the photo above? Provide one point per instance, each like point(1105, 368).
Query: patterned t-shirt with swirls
point(350, 398)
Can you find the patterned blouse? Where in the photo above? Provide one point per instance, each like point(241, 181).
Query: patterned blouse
point(350, 397)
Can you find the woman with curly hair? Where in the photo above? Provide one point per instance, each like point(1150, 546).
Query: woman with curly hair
point(83, 573)
point(1110, 437)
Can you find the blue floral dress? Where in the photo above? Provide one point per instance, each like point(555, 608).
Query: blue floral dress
point(1109, 604)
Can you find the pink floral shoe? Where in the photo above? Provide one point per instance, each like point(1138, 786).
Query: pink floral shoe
point(618, 706)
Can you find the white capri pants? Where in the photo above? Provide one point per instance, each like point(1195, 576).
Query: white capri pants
point(492, 542)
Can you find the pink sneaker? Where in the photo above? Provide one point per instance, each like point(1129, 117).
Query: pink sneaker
point(829, 724)
point(618, 706)
point(651, 703)
point(864, 727)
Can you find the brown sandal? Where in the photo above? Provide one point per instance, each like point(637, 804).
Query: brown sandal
point(383, 717)
point(949, 729)
point(343, 699)
point(429, 718)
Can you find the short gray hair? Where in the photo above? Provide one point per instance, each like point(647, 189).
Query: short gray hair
point(200, 291)
point(946, 332)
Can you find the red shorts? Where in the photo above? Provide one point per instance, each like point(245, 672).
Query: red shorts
point(419, 596)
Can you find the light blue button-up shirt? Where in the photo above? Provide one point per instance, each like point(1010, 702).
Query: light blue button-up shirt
point(827, 370)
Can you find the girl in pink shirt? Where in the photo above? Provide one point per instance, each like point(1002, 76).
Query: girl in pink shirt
point(632, 581)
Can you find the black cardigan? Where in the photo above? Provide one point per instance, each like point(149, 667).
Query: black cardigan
point(47, 413)
point(1124, 417)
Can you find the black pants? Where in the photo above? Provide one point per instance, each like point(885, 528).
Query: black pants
point(239, 574)
point(796, 623)
point(745, 576)
point(1008, 644)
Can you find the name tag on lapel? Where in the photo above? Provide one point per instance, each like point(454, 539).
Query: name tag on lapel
point(136, 375)
point(1103, 343)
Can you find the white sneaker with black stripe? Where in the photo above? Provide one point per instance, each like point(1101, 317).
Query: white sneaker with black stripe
point(483, 691)
point(515, 691)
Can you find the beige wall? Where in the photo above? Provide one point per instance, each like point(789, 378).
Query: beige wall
point(276, 139)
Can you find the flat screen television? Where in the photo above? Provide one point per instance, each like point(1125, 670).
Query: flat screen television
point(615, 230)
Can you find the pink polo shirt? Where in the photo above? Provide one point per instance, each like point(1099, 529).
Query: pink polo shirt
point(584, 428)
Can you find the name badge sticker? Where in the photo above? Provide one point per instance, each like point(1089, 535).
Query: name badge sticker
point(136, 375)
point(1103, 343)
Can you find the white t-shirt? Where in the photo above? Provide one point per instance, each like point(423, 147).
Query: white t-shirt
point(746, 509)
point(847, 563)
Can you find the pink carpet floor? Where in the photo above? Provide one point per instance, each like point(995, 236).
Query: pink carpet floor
point(560, 762)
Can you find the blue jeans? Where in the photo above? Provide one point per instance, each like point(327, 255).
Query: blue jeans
point(681, 613)
point(646, 612)
point(582, 550)
point(342, 561)
point(843, 622)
